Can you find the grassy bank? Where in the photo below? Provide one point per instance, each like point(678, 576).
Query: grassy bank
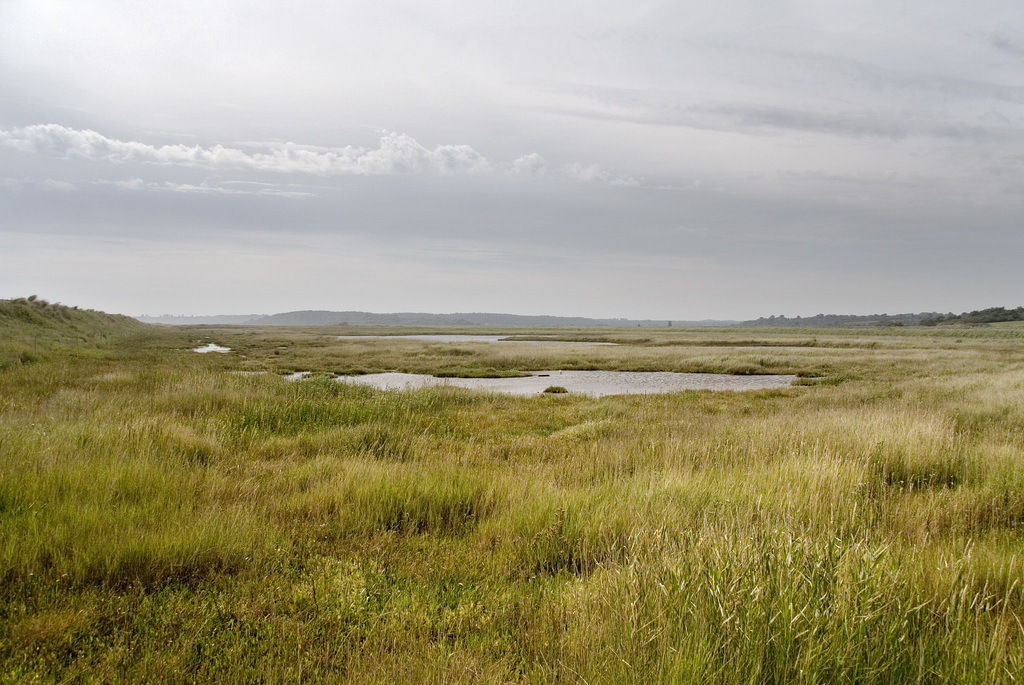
point(33, 330)
point(167, 519)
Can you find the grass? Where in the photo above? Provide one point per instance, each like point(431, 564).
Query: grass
point(36, 330)
point(167, 519)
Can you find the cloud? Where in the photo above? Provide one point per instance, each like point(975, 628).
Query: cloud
point(593, 173)
point(536, 166)
point(47, 184)
point(206, 188)
point(59, 186)
point(397, 153)
point(1004, 43)
point(530, 165)
point(851, 124)
point(132, 184)
point(839, 122)
point(751, 89)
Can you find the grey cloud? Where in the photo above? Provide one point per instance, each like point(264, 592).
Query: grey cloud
point(851, 124)
point(59, 186)
point(732, 117)
point(530, 165)
point(534, 165)
point(593, 173)
point(17, 185)
point(207, 188)
point(1004, 43)
point(791, 115)
point(845, 124)
point(861, 122)
point(744, 88)
point(833, 70)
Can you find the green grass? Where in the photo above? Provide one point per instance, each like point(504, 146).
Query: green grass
point(167, 519)
point(35, 330)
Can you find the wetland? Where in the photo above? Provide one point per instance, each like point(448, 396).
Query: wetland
point(171, 516)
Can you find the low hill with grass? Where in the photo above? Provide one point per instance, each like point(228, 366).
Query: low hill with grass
point(31, 329)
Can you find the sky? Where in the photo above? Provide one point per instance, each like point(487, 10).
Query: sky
point(645, 159)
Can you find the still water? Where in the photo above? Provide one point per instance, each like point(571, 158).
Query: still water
point(503, 339)
point(592, 383)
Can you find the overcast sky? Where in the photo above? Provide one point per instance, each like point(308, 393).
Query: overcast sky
point(642, 159)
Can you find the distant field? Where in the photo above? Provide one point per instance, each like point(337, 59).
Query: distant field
point(169, 519)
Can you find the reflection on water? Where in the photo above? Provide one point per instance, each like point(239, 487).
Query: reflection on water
point(468, 339)
point(592, 383)
point(212, 347)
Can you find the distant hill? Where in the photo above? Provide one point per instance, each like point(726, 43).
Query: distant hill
point(225, 319)
point(31, 328)
point(329, 318)
point(332, 318)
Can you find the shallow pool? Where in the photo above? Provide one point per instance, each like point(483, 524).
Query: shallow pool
point(592, 383)
point(469, 339)
point(212, 347)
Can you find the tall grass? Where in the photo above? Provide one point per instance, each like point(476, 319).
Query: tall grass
point(167, 519)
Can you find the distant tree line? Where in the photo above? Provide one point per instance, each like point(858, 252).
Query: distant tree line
point(990, 315)
point(843, 320)
point(982, 316)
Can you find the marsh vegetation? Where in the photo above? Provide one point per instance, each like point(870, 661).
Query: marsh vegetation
point(169, 519)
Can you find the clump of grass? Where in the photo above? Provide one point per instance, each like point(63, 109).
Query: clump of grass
point(555, 390)
point(926, 456)
point(744, 370)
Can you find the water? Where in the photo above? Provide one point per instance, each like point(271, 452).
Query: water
point(212, 347)
point(468, 339)
point(592, 383)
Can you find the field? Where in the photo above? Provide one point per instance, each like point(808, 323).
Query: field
point(175, 517)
